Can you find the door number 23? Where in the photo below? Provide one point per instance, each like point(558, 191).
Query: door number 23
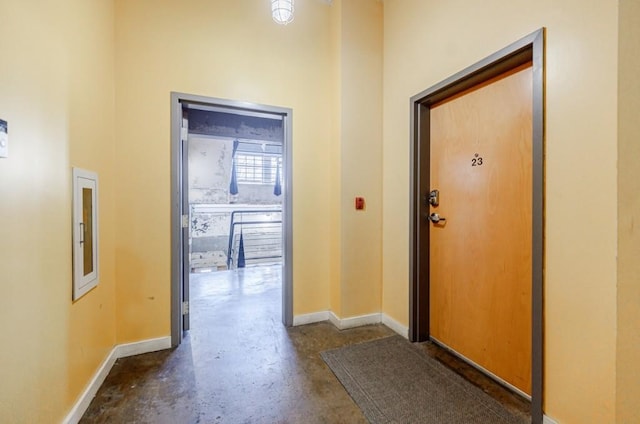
point(477, 160)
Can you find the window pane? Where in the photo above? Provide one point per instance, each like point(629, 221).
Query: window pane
point(256, 168)
point(87, 229)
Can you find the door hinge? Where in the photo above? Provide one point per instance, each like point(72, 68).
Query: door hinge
point(185, 221)
point(185, 307)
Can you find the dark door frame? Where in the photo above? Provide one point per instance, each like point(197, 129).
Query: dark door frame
point(178, 254)
point(527, 49)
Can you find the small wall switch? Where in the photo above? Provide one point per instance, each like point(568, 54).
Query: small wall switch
point(359, 203)
point(4, 139)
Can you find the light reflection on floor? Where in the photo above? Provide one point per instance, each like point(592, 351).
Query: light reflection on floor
point(238, 282)
point(237, 364)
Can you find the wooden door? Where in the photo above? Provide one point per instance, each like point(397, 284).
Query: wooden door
point(480, 257)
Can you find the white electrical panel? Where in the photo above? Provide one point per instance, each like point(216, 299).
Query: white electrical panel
point(4, 139)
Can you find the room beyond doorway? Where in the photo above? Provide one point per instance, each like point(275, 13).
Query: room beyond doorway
point(231, 194)
point(234, 202)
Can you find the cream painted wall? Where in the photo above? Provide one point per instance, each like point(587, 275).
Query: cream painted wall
point(315, 66)
point(356, 158)
point(229, 50)
point(628, 345)
point(58, 97)
point(426, 42)
point(335, 157)
point(361, 156)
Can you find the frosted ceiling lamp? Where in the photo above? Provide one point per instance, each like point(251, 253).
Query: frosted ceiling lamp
point(282, 11)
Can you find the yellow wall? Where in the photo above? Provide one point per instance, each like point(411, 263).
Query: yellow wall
point(57, 94)
point(360, 161)
point(335, 169)
point(426, 42)
point(361, 102)
point(227, 50)
point(233, 50)
point(628, 346)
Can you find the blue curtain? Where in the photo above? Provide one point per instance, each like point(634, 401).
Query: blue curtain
point(277, 190)
point(241, 260)
point(233, 186)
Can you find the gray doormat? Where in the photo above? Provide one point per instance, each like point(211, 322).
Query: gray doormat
point(392, 381)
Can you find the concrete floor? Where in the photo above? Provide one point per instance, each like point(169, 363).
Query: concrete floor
point(238, 364)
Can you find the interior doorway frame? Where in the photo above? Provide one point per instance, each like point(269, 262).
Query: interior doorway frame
point(177, 203)
point(528, 49)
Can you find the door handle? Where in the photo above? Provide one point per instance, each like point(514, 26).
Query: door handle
point(435, 218)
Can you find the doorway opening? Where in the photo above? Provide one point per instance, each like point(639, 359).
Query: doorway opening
point(442, 154)
point(231, 196)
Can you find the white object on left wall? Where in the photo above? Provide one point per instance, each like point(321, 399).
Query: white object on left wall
point(4, 139)
point(85, 232)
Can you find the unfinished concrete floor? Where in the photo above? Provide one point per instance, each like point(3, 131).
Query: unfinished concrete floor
point(238, 364)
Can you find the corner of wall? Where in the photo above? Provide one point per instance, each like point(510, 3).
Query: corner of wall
point(628, 267)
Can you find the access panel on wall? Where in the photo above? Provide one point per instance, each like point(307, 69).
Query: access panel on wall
point(85, 231)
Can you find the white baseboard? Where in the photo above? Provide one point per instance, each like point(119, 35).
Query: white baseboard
point(340, 324)
point(352, 322)
point(118, 351)
point(548, 420)
point(395, 326)
point(145, 346)
point(310, 318)
point(89, 393)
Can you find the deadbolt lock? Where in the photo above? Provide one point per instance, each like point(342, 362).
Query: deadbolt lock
point(434, 197)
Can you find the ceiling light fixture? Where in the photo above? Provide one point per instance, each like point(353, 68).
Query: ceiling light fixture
point(282, 11)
